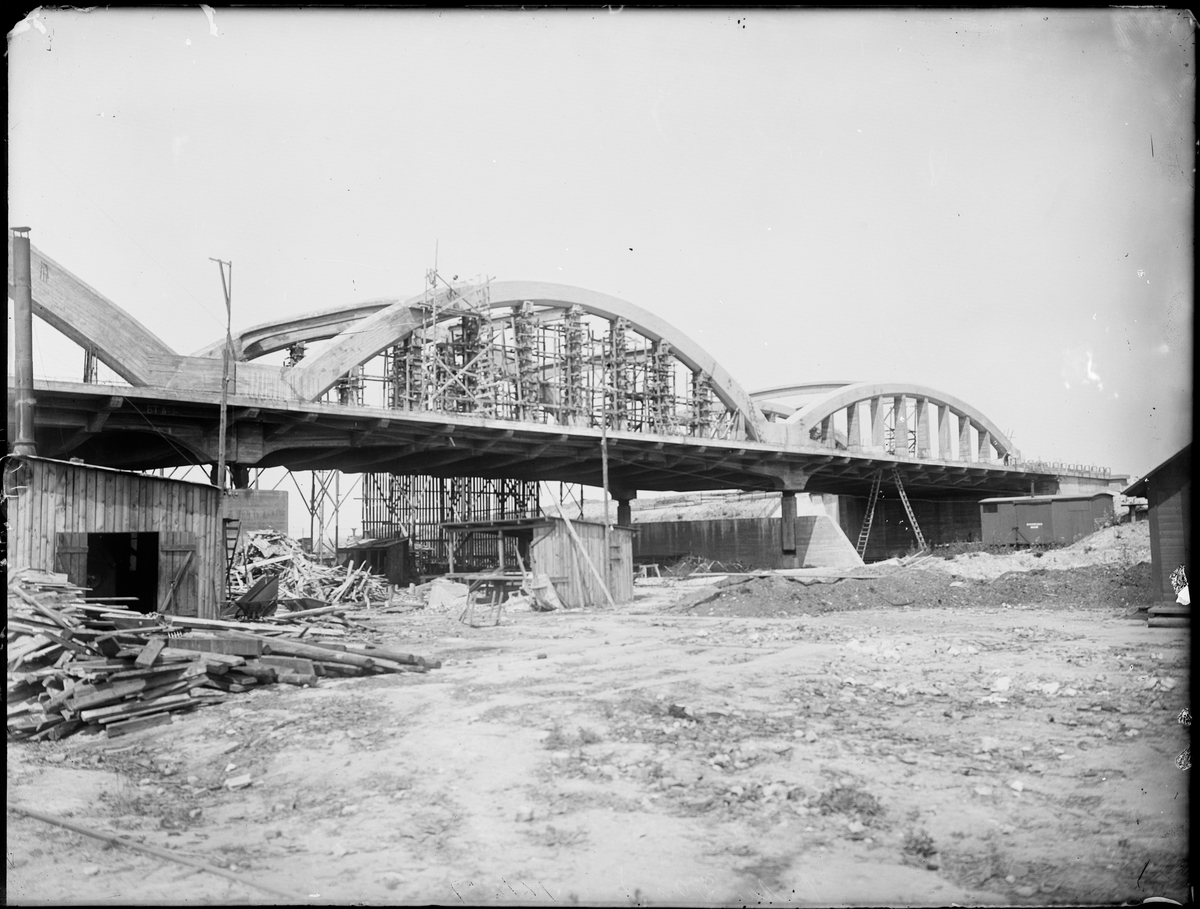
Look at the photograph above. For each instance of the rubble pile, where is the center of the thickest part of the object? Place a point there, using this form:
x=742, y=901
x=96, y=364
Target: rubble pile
x=267, y=554
x=75, y=664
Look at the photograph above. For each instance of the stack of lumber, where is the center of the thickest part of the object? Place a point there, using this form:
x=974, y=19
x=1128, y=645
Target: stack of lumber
x=1169, y=615
x=269, y=554
x=77, y=665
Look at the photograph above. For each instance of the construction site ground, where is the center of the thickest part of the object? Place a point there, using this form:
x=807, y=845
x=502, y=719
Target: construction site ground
x=982, y=731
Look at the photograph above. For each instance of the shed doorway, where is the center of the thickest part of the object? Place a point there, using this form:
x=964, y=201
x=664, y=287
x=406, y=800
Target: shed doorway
x=124, y=565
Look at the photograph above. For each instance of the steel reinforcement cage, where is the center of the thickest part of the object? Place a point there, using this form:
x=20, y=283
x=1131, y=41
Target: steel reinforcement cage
x=415, y=507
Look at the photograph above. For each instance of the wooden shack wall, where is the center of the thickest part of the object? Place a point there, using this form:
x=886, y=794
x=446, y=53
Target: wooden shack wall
x=1169, y=497
x=554, y=553
x=54, y=497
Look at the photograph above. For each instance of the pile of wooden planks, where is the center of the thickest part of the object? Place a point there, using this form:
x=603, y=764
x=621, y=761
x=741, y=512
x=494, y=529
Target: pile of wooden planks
x=75, y=664
x=269, y=554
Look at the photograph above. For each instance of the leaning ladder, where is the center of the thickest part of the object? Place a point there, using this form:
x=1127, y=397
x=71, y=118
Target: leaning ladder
x=233, y=533
x=870, y=515
x=912, y=518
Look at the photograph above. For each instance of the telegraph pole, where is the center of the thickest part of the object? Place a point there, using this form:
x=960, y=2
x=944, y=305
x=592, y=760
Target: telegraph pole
x=227, y=287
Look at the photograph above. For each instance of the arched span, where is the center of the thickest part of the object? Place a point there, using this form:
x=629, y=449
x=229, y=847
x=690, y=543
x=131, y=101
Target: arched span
x=804, y=388
x=371, y=328
x=814, y=413
x=269, y=337
x=95, y=322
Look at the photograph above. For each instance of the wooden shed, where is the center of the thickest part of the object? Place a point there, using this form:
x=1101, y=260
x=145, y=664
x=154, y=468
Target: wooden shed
x=120, y=534
x=546, y=546
x=387, y=558
x=1043, y=520
x=1168, y=492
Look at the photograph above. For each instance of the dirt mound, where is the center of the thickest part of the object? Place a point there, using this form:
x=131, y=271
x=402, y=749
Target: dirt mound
x=1113, y=588
x=1123, y=545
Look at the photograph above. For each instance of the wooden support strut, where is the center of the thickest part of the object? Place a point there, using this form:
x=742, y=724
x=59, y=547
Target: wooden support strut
x=175, y=583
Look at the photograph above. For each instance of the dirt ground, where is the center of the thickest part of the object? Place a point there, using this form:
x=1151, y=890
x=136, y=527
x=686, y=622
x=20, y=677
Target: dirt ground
x=923, y=737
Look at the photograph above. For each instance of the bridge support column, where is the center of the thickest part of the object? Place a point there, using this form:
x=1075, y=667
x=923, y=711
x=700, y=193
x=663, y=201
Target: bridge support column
x=900, y=426
x=624, y=513
x=943, y=420
x=922, y=413
x=878, y=427
x=853, y=428
x=985, y=446
x=964, y=437
x=787, y=523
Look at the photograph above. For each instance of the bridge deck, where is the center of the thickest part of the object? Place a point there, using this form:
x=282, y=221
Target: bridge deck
x=144, y=428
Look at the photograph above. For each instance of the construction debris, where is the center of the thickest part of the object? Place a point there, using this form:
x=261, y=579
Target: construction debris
x=275, y=557
x=75, y=664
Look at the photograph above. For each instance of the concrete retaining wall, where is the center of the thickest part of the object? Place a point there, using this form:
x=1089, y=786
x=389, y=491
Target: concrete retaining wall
x=940, y=520
x=257, y=509
x=752, y=542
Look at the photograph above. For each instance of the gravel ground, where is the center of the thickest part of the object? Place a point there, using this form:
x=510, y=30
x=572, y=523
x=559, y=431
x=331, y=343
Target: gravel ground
x=920, y=738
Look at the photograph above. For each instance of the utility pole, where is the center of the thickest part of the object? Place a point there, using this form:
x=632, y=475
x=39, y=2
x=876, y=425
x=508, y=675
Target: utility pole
x=604, y=484
x=227, y=287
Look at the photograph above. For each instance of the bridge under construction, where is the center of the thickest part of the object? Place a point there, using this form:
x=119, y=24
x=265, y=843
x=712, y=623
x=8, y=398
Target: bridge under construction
x=495, y=379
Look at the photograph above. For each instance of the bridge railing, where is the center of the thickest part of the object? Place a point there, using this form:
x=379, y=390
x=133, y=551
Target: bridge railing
x=1061, y=467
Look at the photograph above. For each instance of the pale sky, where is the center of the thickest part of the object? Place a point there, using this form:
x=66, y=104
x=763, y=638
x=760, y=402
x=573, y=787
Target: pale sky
x=996, y=204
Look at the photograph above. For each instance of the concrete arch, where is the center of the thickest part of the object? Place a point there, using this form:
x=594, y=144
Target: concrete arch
x=364, y=331
x=813, y=414
x=95, y=322
x=268, y=337
x=803, y=388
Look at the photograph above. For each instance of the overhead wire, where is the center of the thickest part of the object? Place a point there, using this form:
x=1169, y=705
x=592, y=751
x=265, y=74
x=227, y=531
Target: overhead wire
x=186, y=454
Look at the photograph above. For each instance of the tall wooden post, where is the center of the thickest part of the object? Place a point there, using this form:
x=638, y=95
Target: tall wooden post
x=227, y=287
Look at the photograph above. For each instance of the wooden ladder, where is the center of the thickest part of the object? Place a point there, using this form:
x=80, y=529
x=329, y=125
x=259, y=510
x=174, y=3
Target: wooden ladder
x=233, y=533
x=869, y=518
x=912, y=518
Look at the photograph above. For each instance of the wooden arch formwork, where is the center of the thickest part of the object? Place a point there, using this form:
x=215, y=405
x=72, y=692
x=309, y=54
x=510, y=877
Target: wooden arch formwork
x=520, y=350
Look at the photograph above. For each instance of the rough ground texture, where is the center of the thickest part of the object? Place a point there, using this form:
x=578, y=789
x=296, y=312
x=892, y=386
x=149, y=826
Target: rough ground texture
x=895, y=741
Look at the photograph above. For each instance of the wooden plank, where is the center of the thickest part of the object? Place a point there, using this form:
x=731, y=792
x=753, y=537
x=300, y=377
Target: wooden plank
x=223, y=625
x=49, y=613
x=116, y=520
x=293, y=664
x=150, y=652
x=179, y=669
x=304, y=613
x=133, y=494
x=66, y=641
x=1169, y=621
x=113, y=730
x=219, y=659
x=34, y=500
x=133, y=708
x=179, y=574
x=89, y=696
x=240, y=645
